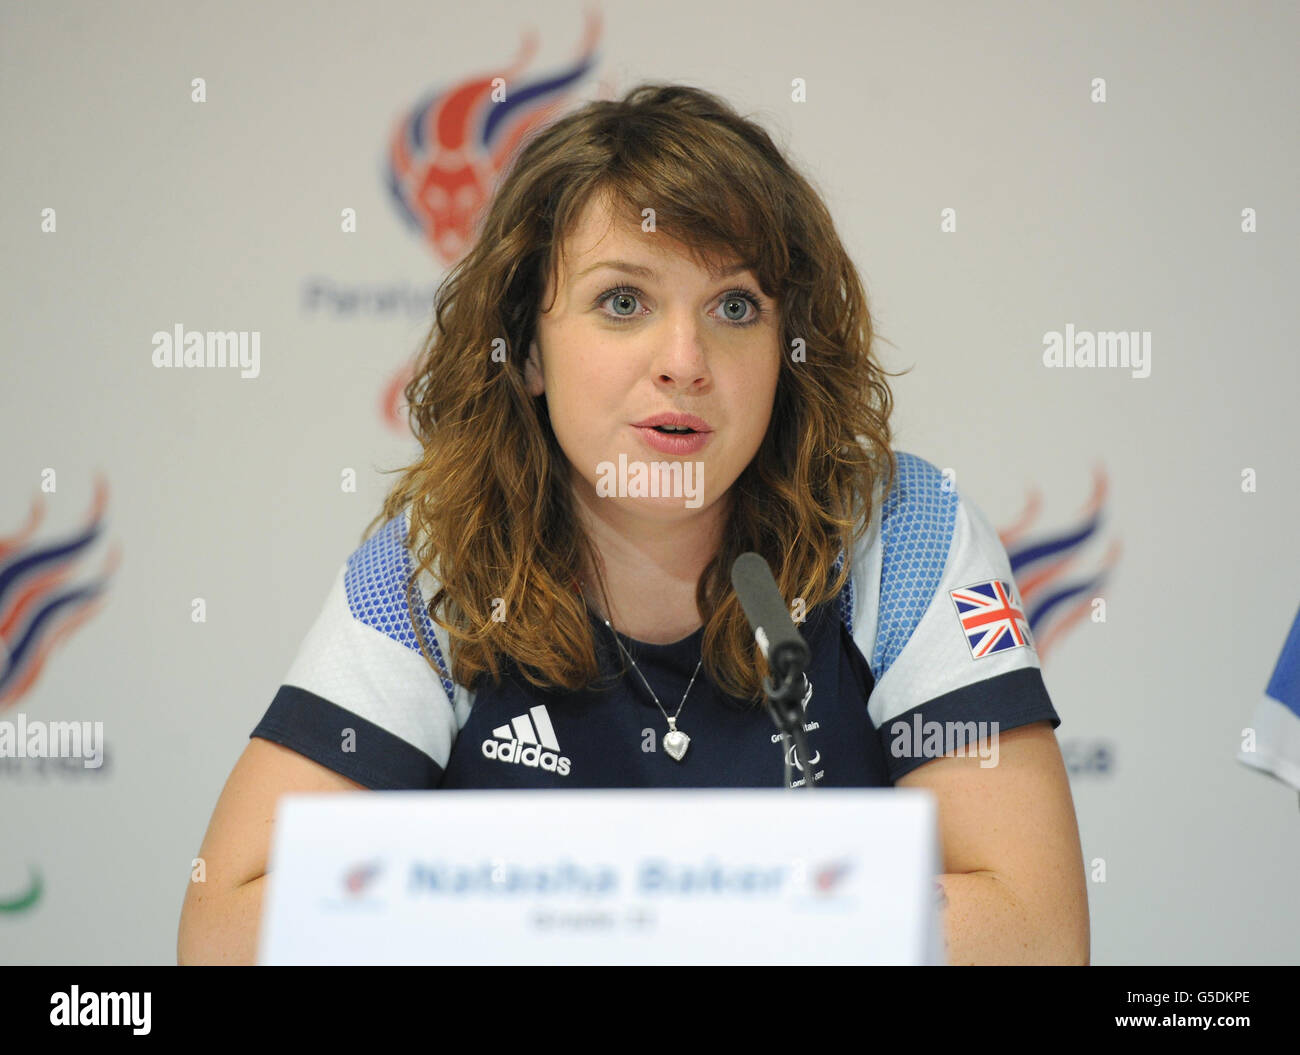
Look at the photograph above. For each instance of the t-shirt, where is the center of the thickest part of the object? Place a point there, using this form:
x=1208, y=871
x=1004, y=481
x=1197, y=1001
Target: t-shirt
x=926, y=650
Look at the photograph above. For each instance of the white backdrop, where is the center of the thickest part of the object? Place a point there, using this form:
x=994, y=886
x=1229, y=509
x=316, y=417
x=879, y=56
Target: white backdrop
x=224, y=215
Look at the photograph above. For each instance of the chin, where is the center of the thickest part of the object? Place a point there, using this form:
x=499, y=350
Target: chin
x=642, y=490
x=666, y=509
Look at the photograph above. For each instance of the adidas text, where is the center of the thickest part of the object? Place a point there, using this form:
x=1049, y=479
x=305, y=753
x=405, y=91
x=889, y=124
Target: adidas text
x=527, y=755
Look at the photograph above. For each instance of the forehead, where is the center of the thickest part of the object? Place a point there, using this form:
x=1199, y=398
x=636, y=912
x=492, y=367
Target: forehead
x=600, y=234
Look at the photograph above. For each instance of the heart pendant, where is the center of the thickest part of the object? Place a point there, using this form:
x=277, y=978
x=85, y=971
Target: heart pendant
x=675, y=743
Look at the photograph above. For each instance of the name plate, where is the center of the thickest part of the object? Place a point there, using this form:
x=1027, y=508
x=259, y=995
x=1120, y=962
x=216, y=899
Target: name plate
x=663, y=876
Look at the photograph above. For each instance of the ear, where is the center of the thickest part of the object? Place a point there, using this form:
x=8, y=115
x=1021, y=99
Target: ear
x=533, y=371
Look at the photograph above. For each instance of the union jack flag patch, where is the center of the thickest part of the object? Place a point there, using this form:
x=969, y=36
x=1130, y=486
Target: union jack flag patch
x=992, y=617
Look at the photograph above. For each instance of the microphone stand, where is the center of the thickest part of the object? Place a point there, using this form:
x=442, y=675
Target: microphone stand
x=785, y=705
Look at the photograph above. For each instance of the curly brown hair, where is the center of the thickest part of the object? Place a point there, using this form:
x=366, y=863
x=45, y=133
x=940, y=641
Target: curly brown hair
x=491, y=507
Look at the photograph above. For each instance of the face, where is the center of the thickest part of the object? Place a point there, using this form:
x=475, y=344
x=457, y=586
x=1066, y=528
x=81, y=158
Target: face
x=622, y=345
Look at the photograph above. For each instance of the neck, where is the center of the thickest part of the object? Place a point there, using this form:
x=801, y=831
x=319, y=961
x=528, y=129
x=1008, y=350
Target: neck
x=651, y=567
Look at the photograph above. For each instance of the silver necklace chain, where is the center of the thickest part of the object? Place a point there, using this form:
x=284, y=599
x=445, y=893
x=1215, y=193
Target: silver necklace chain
x=675, y=741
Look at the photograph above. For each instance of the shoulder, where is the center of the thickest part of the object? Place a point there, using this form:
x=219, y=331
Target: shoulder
x=361, y=667
x=899, y=561
x=367, y=655
x=939, y=618
x=383, y=594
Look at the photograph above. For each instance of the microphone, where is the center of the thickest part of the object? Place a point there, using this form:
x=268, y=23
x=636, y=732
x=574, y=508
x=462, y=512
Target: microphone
x=782, y=645
x=784, y=649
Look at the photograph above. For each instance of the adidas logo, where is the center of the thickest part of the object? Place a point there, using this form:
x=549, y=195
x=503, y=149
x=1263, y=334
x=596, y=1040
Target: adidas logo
x=527, y=745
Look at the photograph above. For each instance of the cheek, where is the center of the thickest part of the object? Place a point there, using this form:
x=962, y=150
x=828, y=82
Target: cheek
x=582, y=402
x=758, y=391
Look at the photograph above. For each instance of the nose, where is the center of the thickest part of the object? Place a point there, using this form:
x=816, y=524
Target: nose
x=681, y=354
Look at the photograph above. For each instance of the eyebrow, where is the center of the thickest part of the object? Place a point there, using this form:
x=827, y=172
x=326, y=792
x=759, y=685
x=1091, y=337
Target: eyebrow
x=648, y=272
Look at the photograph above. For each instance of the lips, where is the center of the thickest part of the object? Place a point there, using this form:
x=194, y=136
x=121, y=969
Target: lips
x=674, y=442
x=680, y=421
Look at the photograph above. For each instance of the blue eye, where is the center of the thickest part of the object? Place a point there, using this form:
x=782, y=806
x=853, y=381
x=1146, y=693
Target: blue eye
x=735, y=296
x=623, y=292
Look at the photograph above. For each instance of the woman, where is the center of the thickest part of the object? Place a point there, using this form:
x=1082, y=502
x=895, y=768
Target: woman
x=655, y=357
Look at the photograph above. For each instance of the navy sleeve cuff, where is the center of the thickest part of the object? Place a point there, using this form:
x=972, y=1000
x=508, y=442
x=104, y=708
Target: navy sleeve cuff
x=313, y=726
x=966, y=715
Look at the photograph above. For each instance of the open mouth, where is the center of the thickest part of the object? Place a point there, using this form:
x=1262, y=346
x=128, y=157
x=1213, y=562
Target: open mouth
x=673, y=430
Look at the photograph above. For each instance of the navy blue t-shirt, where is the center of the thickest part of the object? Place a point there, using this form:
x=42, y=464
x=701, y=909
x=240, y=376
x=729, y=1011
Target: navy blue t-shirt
x=928, y=636
x=613, y=737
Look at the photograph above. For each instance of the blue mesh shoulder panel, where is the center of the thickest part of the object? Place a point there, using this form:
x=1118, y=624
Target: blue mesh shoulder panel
x=376, y=583
x=917, y=520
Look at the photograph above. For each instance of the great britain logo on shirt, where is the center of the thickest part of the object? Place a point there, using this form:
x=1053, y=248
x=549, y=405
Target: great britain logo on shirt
x=529, y=740
x=992, y=617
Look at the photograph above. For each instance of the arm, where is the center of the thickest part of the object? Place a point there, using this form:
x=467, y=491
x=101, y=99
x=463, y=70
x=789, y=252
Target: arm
x=220, y=917
x=221, y=927
x=1014, y=878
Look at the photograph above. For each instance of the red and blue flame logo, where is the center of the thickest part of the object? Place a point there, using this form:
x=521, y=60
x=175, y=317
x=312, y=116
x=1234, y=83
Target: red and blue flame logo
x=447, y=151
x=1056, y=586
x=40, y=607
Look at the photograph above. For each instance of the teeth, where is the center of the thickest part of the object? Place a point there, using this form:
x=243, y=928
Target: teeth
x=674, y=428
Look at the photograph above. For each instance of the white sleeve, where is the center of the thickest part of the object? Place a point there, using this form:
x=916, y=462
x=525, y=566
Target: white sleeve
x=360, y=698
x=949, y=641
